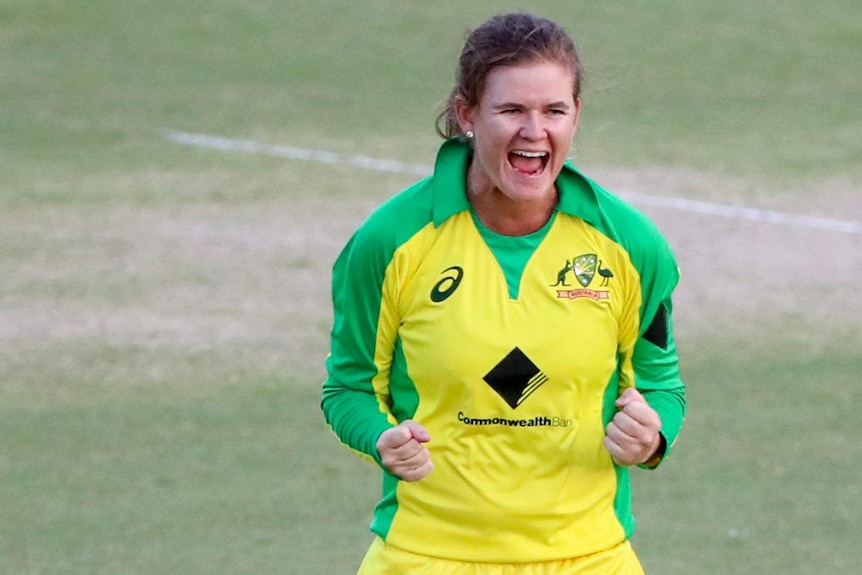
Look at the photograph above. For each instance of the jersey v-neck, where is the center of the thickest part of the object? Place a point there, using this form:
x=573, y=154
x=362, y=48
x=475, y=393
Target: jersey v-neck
x=512, y=252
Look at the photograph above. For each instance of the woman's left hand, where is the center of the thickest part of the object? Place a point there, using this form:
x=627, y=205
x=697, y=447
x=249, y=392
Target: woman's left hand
x=633, y=436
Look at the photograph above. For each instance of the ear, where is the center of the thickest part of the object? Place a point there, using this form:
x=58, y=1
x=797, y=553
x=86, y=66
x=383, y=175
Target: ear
x=464, y=114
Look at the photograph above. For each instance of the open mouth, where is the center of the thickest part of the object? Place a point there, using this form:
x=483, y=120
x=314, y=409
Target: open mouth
x=530, y=163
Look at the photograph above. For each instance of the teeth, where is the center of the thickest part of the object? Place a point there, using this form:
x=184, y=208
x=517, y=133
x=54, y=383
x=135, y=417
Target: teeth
x=530, y=154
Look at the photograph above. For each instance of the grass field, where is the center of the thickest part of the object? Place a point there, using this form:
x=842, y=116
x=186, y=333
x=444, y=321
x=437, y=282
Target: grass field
x=164, y=309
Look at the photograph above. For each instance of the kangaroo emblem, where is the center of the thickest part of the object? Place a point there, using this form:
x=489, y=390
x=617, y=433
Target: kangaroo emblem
x=561, y=275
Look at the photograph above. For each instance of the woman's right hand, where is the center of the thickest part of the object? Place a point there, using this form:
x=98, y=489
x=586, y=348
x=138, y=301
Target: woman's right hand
x=402, y=452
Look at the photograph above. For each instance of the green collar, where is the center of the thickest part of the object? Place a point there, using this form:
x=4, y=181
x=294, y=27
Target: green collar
x=577, y=195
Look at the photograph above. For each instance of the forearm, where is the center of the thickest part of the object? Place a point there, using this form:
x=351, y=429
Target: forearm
x=355, y=417
x=670, y=406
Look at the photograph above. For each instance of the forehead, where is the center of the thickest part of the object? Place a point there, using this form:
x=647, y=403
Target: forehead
x=534, y=82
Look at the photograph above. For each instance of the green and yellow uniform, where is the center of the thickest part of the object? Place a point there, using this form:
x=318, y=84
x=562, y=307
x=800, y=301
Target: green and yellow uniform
x=510, y=351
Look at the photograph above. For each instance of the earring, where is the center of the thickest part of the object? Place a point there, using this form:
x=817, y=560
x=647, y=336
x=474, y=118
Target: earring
x=469, y=134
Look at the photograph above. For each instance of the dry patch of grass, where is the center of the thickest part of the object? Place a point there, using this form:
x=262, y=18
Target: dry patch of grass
x=217, y=275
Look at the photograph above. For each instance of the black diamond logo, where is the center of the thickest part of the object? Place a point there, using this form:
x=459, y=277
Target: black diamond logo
x=515, y=378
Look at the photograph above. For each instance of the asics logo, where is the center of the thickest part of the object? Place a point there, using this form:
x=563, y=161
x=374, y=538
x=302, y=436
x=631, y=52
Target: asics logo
x=447, y=286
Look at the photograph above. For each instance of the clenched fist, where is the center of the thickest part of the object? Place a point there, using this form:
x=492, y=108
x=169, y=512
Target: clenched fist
x=633, y=436
x=402, y=452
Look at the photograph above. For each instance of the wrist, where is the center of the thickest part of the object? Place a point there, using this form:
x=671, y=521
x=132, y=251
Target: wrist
x=658, y=453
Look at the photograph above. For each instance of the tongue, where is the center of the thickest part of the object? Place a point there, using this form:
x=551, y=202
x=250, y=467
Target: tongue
x=525, y=165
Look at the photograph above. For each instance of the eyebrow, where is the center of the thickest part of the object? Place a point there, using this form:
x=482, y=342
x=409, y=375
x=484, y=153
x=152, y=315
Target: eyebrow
x=505, y=105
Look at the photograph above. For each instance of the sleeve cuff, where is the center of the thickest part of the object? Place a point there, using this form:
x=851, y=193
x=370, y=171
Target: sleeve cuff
x=659, y=454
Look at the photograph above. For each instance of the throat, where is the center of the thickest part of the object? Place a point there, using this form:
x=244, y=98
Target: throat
x=520, y=220
x=503, y=214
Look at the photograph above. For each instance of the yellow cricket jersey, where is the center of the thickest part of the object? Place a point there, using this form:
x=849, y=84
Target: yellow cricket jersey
x=511, y=352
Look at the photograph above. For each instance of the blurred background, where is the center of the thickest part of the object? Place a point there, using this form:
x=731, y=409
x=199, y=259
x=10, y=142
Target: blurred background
x=170, y=211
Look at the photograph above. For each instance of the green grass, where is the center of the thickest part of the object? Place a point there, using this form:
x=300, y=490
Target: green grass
x=164, y=310
x=764, y=479
x=222, y=481
x=763, y=90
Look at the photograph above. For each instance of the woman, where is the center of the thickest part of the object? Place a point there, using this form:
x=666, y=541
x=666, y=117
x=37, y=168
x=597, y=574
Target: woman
x=502, y=344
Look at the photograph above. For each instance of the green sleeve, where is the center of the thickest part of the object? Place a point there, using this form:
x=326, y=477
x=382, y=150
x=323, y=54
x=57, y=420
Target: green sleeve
x=349, y=402
x=655, y=360
x=657, y=376
x=363, y=321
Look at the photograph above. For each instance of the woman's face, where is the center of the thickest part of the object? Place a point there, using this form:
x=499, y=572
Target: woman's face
x=523, y=126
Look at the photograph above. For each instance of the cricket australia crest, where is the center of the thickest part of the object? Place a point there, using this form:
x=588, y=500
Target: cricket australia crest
x=584, y=267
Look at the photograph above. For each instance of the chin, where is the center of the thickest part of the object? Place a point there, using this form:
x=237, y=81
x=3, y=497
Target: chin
x=538, y=189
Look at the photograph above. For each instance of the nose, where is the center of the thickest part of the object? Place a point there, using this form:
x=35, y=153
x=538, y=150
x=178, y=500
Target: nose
x=532, y=128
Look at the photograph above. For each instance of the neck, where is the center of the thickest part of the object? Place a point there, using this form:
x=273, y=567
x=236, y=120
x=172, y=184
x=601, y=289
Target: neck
x=502, y=214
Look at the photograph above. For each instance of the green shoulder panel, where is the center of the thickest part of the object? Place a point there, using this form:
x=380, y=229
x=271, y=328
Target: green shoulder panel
x=647, y=248
x=349, y=402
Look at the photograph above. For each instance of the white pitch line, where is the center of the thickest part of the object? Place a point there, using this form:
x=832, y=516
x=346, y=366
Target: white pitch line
x=291, y=153
x=743, y=213
x=394, y=166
